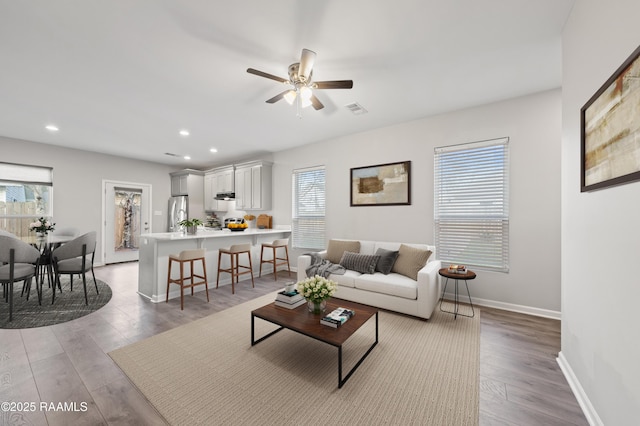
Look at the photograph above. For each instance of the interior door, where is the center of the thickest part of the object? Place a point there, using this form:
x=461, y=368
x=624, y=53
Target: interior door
x=126, y=216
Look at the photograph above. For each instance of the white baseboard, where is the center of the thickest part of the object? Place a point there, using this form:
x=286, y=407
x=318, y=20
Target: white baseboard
x=538, y=312
x=587, y=408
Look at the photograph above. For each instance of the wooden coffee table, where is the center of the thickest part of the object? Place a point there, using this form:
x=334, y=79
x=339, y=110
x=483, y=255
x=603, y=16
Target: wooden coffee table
x=304, y=322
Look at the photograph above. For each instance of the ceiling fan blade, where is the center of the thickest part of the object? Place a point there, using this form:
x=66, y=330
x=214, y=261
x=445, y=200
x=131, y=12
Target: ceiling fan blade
x=307, y=60
x=315, y=102
x=277, y=97
x=266, y=75
x=337, y=84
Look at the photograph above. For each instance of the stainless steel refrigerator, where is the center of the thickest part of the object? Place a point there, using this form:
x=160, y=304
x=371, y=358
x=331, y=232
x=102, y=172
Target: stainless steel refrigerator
x=178, y=210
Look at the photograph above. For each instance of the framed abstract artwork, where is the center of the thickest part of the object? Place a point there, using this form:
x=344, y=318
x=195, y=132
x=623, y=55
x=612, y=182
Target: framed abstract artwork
x=381, y=185
x=610, y=130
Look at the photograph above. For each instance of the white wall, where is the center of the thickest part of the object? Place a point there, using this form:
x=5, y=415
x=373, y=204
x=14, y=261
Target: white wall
x=77, y=182
x=600, y=231
x=533, y=124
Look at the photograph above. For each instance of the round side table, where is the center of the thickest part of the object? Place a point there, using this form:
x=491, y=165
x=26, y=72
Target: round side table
x=469, y=275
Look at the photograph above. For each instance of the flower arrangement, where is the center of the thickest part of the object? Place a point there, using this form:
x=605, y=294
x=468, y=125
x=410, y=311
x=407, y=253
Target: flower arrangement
x=317, y=289
x=41, y=225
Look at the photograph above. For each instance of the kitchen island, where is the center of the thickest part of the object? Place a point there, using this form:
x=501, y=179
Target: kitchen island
x=156, y=248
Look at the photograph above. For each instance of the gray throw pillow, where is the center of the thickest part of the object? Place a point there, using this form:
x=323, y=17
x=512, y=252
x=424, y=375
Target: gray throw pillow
x=363, y=263
x=386, y=261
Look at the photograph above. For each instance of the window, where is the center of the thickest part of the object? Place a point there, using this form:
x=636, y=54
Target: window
x=471, y=206
x=308, y=208
x=25, y=194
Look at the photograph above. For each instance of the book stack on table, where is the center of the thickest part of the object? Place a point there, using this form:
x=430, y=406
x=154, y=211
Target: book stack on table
x=289, y=300
x=457, y=269
x=337, y=317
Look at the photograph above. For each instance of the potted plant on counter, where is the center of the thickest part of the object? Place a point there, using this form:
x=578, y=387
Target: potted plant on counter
x=191, y=225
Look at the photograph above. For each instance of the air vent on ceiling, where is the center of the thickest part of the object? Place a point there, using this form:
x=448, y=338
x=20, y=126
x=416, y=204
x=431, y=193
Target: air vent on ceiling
x=356, y=108
x=171, y=154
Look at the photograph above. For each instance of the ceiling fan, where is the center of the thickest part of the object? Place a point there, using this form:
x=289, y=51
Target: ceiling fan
x=300, y=74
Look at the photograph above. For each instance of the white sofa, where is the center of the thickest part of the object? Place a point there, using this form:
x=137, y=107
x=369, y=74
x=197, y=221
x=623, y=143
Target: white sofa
x=394, y=291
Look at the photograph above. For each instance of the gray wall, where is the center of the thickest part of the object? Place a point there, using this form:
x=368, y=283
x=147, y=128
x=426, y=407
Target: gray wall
x=600, y=231
x=77, y=182
x=533, y=124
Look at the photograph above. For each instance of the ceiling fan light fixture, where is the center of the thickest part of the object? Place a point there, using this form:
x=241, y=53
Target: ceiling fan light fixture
x=290, y=96
x=305, y=102
x=305, y=93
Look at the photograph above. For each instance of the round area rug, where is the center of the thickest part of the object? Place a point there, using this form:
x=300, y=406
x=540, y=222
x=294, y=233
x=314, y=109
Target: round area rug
x=69, y=304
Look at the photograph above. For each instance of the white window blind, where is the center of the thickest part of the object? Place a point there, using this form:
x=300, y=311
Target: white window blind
x=471, y=206
x=308, y=208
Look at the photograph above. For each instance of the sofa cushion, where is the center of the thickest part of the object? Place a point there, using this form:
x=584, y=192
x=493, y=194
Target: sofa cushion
x=337, y=247
x=386, y=261
x=410, y=260
x=363, y=263
x=346, y=280
x=392, y=284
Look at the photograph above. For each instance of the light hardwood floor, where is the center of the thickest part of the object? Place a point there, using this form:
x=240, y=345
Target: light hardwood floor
x=520, y=381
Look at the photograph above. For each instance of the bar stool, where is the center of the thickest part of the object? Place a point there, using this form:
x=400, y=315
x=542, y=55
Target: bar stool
x=182, y=258
x=282, y=243
x=234, y=253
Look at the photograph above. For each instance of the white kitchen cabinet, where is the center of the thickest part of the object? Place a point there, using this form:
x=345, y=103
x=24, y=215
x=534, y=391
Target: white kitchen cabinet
x=225, y=179
x=180, y=184
x=187, y=182
x=210, y=189
x=217, y=180
x=253, y=185
x=190, y=182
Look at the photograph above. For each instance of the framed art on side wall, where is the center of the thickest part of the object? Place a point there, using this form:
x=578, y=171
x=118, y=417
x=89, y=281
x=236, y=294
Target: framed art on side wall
x=381, y=185
x=610, y=130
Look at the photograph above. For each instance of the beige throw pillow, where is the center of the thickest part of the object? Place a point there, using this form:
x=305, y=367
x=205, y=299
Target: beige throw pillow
x=336, y=249
x=410, y=261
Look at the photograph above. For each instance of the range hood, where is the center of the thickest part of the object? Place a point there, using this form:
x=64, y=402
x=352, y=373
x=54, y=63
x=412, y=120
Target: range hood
x=225, y=196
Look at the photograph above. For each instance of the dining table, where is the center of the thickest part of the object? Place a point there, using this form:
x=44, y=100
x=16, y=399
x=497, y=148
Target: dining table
x=46, y=244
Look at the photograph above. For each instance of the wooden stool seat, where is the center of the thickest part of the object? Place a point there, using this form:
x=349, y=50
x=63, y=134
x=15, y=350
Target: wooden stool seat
x=187, y=256
x=282, y=243
x=234, y=253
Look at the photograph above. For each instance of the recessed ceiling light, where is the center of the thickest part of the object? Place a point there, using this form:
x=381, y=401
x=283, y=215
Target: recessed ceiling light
x=186, y=157
x=184, y=132
x=51, y=128
x=213, y=150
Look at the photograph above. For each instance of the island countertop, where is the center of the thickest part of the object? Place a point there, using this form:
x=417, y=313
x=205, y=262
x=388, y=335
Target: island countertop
x=155, y=249
x=211, y=233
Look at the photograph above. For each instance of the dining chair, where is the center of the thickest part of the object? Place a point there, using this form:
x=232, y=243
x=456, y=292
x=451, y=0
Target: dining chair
x=75, y=257
x=21, y=264
x=7, y=234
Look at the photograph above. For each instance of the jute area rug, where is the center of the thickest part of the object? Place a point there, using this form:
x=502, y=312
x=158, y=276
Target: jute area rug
x=68, y=306
x=207, y=373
